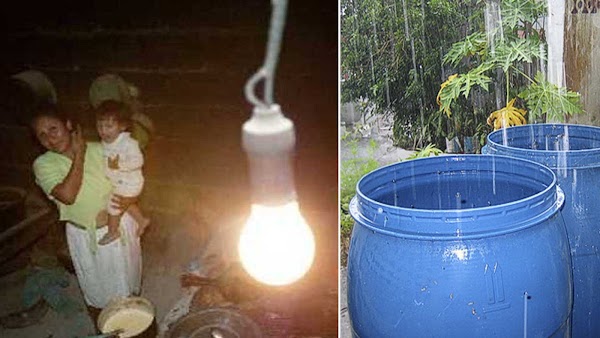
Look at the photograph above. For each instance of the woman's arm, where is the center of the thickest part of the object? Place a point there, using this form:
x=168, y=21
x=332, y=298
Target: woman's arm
x=66, y=191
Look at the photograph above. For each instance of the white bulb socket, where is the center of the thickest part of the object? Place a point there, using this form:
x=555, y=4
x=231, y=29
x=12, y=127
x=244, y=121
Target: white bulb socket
x=269, y=138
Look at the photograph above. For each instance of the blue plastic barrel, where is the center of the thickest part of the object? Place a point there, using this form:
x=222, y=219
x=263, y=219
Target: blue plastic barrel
x=459, y=246
x=573, y=153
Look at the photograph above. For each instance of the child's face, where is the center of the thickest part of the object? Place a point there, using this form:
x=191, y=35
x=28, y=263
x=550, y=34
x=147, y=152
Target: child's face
x=109, y=129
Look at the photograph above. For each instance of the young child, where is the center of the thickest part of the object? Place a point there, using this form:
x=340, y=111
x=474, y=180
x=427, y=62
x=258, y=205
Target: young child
x=123, y=162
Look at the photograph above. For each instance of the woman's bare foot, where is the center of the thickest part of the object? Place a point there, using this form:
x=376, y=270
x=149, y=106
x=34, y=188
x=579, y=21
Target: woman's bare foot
x=142, y=227
x=109, y=237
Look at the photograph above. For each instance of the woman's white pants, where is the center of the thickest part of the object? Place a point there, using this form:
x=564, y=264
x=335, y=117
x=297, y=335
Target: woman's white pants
x=114, y=270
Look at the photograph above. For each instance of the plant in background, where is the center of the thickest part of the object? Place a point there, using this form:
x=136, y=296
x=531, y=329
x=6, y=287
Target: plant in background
x=429, y=150
x=557, y=103
x=505, y=61
x=507, y=116
x=481, y=132
x=351, y=172
x=391, y=57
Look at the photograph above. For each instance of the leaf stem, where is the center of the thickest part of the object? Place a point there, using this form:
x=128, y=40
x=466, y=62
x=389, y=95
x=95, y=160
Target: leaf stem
x=507, y=86
x=523, y=74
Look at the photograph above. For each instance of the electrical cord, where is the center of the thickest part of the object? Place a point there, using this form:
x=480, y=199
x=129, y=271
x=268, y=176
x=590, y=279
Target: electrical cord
x=267, y=71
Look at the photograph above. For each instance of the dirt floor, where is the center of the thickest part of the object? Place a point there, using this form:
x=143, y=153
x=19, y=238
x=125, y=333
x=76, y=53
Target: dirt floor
x=53, y=324
x=191, y=63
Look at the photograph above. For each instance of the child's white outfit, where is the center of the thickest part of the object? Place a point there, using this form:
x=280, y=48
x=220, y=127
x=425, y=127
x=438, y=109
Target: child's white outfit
x=128, y=180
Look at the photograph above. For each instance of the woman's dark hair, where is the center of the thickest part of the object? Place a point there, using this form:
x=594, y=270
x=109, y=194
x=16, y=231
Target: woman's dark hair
x=114, y=109
x=48, y=110
x=45, y=110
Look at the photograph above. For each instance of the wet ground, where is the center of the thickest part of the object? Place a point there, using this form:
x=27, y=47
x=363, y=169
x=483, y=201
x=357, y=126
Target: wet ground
x=191, y=62
x=345, y=327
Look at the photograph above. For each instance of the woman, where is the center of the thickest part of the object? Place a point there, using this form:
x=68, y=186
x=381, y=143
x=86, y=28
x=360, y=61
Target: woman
x=71, y=174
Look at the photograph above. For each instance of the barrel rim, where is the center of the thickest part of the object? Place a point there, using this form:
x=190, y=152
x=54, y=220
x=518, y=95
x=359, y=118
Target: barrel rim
x=579, y=158
x=463, y=223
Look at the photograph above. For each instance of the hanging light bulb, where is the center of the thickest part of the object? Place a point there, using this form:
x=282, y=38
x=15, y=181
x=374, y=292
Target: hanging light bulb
x=277, y=246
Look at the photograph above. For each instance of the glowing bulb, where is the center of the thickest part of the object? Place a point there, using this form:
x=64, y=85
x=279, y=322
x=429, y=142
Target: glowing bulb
x=276, y=245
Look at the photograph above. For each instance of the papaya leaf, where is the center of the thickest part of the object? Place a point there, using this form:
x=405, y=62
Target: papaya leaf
x=507, y=116
x=474, y=44
x=461, y=84
x=509, y=53
x=516, y=12
x=543, y=97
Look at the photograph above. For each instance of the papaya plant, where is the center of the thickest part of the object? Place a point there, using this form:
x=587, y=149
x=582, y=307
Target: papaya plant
x=504, y=59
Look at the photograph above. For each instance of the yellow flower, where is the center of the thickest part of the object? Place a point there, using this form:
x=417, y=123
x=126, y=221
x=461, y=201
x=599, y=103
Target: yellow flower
x=507, y=116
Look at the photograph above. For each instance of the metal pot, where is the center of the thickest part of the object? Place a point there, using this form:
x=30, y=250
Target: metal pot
x=215, y=323
x=130, y=315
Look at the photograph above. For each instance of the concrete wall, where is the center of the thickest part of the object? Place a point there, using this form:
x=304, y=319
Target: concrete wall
x=582, y=50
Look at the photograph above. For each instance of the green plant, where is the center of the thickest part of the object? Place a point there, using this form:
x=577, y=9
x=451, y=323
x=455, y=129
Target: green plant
x=434, y=129
x=470, y=125
x=345, y=135
x=543, y=97
x=390, y=56
x=481, y=133
x=506, y=61
x=351, y=171
x=429, y=150
x=461, y=115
